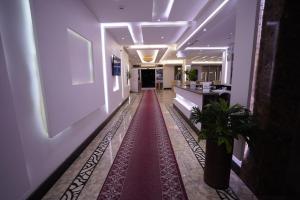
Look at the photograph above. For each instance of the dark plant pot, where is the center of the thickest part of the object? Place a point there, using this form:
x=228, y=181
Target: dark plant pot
x=217, y=165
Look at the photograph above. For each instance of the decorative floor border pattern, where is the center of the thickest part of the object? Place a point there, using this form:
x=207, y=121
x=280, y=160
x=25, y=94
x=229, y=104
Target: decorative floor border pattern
x=114, y=182
x=78, y=183
x=227, y=194
x=171, y=181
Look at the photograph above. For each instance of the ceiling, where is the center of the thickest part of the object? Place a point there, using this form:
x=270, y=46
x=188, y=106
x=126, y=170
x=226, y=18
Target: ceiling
x=169, y=22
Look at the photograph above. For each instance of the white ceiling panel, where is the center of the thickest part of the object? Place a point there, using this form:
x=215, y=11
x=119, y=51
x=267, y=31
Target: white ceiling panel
x=162, y=35
x=121, y=10
x=217, y=34
x=134, y=58
x=186, y=10
x=121, y=35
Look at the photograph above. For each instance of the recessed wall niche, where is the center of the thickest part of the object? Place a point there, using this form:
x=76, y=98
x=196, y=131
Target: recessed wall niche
x=80, y=55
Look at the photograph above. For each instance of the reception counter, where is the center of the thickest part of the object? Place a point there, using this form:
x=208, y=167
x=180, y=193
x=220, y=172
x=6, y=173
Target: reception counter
x=187, y=98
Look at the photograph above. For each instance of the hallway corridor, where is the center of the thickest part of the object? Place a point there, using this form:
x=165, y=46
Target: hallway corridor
x=97, y=99
x=86, y=176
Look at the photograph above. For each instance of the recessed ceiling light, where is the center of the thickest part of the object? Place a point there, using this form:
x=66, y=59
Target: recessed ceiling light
x=123, y=38
x=204, y=29
x=158, y=20
x=162, y=37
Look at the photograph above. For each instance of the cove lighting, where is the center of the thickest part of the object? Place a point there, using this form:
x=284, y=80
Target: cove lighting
x=151, y=46
x=185, y=102
x=132, y=35
x=168, y=9
x=204, y=23
x=33, y=68
x=155, y=53
x=172, y=62
x=102, y=26
x=140, y=55
x=171, y=47
x=207, y=62
x=164, y=24
x=226, y=65
x=121, y=24
x=206, y=48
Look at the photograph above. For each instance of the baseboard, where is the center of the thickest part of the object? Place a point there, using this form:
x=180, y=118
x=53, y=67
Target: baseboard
x=50, y=181
x=236, y=168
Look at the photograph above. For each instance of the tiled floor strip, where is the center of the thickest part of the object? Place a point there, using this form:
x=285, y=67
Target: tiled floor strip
x=78, y=183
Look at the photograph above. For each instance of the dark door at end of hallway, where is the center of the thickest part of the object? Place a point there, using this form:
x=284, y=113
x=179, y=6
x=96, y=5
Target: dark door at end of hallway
x=148, y=78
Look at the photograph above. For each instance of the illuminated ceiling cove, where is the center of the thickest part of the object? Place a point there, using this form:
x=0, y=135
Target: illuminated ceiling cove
x=154, y=31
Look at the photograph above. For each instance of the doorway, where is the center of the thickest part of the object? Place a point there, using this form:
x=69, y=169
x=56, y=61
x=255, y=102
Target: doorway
x=148, y=78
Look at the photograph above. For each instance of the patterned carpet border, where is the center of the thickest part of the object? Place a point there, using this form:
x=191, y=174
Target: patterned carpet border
x=114, y=182
x=79, y=182
x=170, y=178
x=172, y=184
x=227, y=194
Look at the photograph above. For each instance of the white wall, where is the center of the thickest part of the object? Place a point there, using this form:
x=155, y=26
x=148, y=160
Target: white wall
x=134, y=82
x=34, y=81
x=168, y=76
x=243, y=51
x=14, y=179
x=243, y=59
x=114, y=82
x=52, y=19
x=126, y=65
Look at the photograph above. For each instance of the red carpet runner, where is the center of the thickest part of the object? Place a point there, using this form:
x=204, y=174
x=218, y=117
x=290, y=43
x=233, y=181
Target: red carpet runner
x=145, y=167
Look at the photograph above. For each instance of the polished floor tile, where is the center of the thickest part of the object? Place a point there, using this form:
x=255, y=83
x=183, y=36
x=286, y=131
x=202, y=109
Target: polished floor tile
x=85, y=177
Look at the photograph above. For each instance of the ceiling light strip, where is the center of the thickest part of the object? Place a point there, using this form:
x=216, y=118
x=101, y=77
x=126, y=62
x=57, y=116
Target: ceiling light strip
x=102, y=28
x=140, y=56
x=206, y=48
x=133, y=36
x=207, y=62
x=203, y=23
x=168, y=9
x=165, y=24
x=152, y=46
x=165, y=54
x=119, y=25
x=155, y=56
x=172, y=62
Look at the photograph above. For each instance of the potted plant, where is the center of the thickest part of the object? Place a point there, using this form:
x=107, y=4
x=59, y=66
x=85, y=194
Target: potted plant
x=220, y=124
x=192, y=77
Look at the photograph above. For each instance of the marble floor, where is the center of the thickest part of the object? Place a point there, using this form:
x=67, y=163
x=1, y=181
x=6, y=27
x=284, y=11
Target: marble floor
x=85, y=177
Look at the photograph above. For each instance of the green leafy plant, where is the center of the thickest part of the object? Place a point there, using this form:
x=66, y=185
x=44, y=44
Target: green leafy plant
x=191, y=74
x=222, y=123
